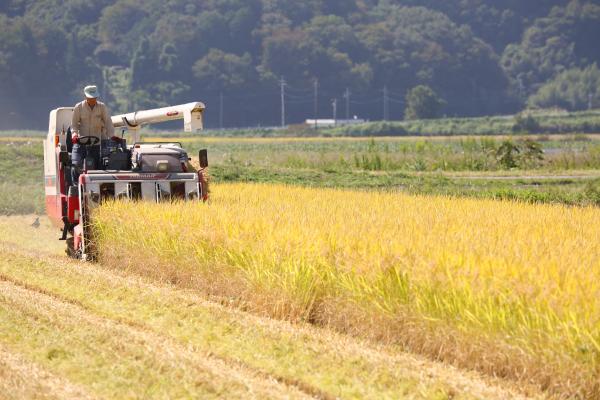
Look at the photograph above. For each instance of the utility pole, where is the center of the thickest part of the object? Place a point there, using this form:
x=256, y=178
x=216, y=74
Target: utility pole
x=590, y=101
x=347, y=95
x=521, y=88
x=221, y=110
x=386, y=105
x=316, y=101
x=282, y=84
x=334, y=104
x=104, y=79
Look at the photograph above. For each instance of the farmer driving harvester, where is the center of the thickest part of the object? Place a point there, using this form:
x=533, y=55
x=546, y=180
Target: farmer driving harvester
x=107, y=168
x=91, y=119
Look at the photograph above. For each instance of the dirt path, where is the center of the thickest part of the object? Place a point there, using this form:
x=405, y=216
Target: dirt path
x=99, y=331
x=524, y=177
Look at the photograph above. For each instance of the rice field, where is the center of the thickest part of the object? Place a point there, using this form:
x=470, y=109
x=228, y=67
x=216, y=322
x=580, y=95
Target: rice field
x=506, y=288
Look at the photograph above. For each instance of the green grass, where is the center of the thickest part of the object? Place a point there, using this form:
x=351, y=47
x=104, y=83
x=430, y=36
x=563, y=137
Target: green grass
x=22, y=134
x=414, y=165
x=402, y=154
x=565, y=191
x=547, y=122
x=21, y=177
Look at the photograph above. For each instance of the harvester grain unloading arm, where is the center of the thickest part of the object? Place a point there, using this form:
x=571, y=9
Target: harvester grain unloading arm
x=191, y=114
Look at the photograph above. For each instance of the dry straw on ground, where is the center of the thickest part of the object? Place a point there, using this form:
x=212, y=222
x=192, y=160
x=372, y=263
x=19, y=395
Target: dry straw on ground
x=507, y=288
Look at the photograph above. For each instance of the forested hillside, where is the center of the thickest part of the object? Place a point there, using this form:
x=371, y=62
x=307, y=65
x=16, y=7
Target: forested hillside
x=477, y=56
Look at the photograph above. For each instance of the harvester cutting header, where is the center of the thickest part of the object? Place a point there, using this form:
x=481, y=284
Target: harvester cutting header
x=85, y=164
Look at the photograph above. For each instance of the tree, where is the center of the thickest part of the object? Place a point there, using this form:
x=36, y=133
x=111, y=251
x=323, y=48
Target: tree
x=220, y=71
x=171, y=49
x=498, y=22
x=28, y=61
x=143, y=70
x=565, y=39
x=410, y=46
x=159, y=94
x=141, y=65
x=575, y=89
x=168, y=58
x=422, y=103
x=122, y=24
x=333, y=32
x=294, y=10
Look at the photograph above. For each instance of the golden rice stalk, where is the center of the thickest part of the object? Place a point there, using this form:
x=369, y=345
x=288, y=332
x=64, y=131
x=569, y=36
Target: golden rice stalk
x=508, y=288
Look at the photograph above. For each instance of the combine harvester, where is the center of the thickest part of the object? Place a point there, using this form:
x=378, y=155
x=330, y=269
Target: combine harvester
x=141, y=171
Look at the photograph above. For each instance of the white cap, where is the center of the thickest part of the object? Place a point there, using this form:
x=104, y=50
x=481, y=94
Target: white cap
x=91, y=92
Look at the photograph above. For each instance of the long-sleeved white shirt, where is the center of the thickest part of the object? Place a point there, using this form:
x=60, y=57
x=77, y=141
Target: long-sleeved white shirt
x=89, y=121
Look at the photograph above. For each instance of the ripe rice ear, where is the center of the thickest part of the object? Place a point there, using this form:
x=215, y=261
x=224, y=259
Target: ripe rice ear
x=510, y=289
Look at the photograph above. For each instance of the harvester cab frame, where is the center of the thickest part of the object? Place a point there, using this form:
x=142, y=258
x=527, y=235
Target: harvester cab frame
x=152, y=171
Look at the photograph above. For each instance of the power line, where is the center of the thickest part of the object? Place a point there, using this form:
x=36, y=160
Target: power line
x=356, y=98
x=297, y=103
x=301, y=90
x=395, y=100
x=395, y=93
x=308, y=101
x=372, y=101
x=264, y=94
x=293, y=96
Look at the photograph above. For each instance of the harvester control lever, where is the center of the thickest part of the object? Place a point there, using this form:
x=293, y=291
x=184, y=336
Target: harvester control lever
x=203, y=158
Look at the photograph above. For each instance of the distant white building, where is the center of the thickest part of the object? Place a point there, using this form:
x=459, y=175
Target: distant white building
x=329, y=123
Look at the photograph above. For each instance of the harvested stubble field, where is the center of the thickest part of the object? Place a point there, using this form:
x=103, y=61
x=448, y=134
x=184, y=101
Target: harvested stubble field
x=75, y=330
x=508, y=289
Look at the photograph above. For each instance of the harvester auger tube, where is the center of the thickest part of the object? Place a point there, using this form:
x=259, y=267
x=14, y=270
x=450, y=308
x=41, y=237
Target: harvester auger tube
x=114, y=170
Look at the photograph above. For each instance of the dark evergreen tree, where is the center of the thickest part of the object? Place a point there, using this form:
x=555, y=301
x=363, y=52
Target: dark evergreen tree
x=422, y=103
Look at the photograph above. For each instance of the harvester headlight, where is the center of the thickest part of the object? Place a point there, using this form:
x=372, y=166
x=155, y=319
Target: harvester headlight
x=162, y=165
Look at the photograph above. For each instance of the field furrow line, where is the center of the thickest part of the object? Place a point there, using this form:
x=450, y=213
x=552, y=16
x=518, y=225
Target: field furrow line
x=242, y=383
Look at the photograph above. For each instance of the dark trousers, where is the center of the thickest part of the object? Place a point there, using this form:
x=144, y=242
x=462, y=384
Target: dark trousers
x=78, y=156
